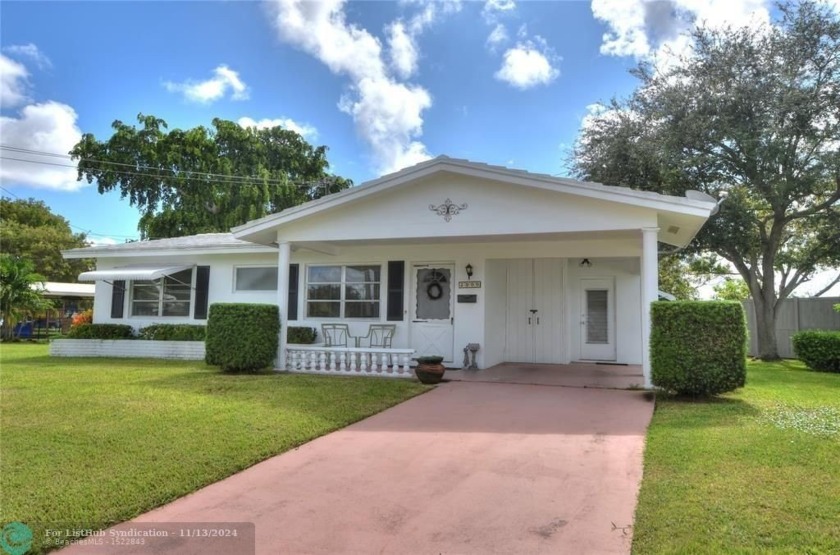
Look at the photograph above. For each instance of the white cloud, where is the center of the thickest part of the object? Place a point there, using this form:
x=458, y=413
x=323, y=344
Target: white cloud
x=593, y=113
x=493, y=9
x=47, y=127
x=402, y=35
x=528, y=65
x=402, y=48
x=13, y=82
x=389, y=116
x=303, y=129
x=497, y=37
x=647, y=28
x=30, y=51
x=388, y=112
x=224, y=79
x=101, y=241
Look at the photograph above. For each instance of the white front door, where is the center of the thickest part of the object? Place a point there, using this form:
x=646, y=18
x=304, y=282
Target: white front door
x=534, y=330
x=597, y=319
x=432, y=331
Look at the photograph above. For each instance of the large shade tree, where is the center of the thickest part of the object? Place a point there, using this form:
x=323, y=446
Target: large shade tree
x=204, y=180
x=29, y=230
x=752, y=113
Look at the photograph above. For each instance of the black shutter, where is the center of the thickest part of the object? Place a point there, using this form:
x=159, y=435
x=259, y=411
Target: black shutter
x=117, y=298
x=396, y=279
x=202, y=292
x=294, y=275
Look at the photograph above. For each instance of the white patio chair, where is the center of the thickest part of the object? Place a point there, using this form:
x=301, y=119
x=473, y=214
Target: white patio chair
x=335, y=335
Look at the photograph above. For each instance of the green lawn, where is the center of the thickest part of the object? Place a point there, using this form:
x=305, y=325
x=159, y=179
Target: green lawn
x=757, y=471
x=85, y=443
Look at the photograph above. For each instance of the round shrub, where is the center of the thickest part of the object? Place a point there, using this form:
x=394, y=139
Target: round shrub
x=819, y=350
x=101, y=331
x=242, y=337
x=698, y=348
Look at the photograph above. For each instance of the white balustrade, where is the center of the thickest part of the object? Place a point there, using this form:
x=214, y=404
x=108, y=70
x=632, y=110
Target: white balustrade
x=348, y=361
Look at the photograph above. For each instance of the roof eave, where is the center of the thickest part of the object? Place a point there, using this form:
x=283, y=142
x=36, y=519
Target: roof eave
x=93, y=252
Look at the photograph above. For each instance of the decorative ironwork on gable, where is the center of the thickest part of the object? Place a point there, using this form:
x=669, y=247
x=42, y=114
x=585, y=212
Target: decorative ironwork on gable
x=448, y=209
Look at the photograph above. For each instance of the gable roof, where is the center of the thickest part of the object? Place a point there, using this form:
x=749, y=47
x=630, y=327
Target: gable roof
x=256, y=230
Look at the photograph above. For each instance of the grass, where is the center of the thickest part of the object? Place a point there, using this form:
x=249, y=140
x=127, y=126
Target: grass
x=87, y=443
x=755, y=471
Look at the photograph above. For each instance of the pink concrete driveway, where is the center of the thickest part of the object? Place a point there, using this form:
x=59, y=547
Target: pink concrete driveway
x=466, y=468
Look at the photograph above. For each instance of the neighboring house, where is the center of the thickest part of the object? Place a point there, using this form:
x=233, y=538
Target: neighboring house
x=562, y=270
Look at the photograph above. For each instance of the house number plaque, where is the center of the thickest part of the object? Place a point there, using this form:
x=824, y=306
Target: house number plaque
x=469, y=285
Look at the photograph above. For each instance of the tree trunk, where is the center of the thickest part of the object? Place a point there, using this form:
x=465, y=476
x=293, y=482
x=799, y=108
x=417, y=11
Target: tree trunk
x=765, y=328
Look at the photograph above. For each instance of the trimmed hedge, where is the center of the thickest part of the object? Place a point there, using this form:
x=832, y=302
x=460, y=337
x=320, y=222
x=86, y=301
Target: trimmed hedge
x=698, y=348
x=173, y=332
x=101, y=331
x=301, y=335
x=819, y=350
x=242, y=337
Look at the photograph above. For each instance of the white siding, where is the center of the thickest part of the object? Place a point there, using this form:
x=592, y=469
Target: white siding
x=494, y=209
x=221, y=286
x=482, y=322
x=628, y=335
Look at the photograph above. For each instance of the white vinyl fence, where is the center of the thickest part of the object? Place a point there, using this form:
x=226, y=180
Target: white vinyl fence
x=795, y=315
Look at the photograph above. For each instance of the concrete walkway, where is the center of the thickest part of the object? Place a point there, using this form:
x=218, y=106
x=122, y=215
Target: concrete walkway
x=465, y=468
x=576, y=374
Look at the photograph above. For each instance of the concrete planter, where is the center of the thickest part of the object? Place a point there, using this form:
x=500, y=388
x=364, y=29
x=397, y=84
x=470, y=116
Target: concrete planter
x=127, y=348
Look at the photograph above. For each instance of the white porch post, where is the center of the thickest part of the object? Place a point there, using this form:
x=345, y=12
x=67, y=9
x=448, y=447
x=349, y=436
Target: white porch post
x=650, y=292
x=284, y=255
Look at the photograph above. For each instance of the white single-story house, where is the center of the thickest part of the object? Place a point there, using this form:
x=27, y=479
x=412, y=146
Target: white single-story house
x=533, y=268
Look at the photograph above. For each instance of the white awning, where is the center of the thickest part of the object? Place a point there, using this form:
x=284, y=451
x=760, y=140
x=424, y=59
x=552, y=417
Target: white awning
x=143, y=272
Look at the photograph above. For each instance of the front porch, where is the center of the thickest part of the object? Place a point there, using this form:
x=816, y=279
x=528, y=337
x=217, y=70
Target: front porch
x=576, y=374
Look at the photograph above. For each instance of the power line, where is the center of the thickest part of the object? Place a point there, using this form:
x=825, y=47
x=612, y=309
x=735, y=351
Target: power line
x=87, y=231
x=159, y=176
x=8, y=191
x=226, y=179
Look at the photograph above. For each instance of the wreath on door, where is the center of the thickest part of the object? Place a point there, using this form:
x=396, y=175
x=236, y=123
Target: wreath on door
x=434, y=290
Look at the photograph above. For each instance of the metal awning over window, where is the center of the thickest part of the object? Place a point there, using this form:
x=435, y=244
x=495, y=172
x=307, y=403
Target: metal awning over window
x=142, y=272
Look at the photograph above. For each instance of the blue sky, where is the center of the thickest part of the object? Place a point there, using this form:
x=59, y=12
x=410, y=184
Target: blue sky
x=382, y=84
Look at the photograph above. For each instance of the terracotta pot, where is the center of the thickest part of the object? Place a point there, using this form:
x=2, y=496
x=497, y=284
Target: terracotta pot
x=430, y=374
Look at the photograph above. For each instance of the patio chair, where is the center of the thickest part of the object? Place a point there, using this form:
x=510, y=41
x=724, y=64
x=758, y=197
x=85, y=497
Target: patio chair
x=335, y=335
x=379, y=335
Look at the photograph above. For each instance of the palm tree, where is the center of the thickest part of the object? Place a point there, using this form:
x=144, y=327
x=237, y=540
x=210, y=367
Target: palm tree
x=17, y=294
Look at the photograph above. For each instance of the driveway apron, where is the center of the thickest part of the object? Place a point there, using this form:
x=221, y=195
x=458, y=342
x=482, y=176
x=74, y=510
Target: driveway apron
x=465, y=468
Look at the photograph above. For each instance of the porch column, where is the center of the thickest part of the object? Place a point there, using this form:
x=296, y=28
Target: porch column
x=284, y=255
x=650, y=292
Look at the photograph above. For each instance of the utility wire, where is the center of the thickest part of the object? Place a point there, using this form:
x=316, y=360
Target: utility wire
x=160, y=176
x=8, y=191
x=88, y=231
x=228, y=179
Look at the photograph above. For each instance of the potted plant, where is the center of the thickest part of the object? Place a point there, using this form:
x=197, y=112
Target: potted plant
x=429, y=369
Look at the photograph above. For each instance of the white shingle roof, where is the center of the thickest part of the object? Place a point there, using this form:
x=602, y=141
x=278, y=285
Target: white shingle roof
x=203, y=241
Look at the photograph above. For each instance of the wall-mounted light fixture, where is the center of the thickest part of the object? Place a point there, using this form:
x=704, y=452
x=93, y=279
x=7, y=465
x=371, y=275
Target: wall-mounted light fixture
x=469, y=269
x=585, y=263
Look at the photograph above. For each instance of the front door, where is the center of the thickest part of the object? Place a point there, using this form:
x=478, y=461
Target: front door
x=432, y=330
x=535, y=311
x=597, y=319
